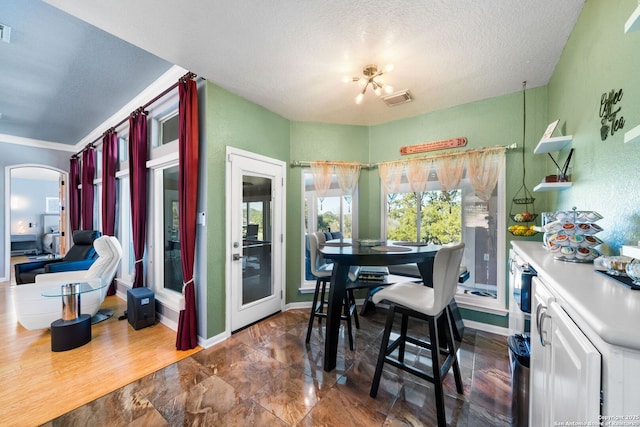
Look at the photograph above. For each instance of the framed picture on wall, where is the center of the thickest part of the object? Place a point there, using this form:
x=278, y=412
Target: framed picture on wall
x=175, y=215
x=52, y=205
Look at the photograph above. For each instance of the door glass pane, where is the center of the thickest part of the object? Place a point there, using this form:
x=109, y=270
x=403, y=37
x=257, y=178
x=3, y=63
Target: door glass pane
x=172, y=260
x=256, y=241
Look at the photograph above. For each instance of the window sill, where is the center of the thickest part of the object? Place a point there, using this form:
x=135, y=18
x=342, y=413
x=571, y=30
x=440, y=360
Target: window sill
x=473, y=303
x=307, y=288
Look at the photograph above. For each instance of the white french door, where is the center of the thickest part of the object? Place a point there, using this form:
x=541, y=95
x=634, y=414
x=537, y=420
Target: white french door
x=255, y=242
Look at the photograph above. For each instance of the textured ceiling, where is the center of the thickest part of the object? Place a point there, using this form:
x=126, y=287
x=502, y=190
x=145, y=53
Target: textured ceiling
x=290, y=56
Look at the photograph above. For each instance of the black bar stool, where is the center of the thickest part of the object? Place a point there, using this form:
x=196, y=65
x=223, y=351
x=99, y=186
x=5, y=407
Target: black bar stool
x=430, y=304
x=323, y=274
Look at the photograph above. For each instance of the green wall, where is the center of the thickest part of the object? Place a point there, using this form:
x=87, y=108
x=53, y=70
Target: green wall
x=315, y=141
x=599, y=57
x=487, y=123
x=231, y=121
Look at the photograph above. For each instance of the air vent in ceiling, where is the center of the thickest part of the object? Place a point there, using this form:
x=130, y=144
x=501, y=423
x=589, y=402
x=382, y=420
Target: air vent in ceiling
x=5, y=33
x=398, y=98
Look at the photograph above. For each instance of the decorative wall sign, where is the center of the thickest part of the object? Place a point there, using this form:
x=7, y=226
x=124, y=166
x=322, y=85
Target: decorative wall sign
x=432, y=146
x=611, y=119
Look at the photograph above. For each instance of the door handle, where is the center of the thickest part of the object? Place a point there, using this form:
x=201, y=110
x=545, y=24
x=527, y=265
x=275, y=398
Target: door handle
x=538, y=309
x=237, y=257
x=542, y=332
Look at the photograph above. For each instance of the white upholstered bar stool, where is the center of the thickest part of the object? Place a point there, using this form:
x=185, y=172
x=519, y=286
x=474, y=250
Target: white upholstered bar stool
x=323, y=272
x=423, y=302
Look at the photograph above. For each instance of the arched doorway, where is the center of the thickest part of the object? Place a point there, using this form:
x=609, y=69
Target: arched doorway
x=35, y=222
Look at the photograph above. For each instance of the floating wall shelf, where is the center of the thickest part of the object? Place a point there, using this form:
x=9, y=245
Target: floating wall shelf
x=552, y=186
x=631, y=251
x=633, y=23
x=557, y=143
x=633, y=135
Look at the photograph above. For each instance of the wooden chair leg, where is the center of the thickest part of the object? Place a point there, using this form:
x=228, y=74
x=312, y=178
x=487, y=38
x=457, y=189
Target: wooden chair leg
x=437, y=374
x=322, y=300
x=352, y=301
x=453, y=353
x=403, y=335
x=313, y=310
x=383, y=352
x=347, y=315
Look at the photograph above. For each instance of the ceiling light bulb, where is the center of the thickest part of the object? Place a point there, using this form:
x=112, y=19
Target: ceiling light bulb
x=388, y=89
x=359, y=98
x=388, y=68
x=346, y=79
x=378, y=90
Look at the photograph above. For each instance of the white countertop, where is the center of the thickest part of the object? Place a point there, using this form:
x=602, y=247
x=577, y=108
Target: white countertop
x=604, y=305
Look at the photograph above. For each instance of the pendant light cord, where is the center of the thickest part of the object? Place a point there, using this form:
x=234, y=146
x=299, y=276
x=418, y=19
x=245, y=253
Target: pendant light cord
x=524, y=127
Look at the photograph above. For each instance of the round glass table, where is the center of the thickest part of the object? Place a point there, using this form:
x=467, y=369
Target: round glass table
x=74, y=328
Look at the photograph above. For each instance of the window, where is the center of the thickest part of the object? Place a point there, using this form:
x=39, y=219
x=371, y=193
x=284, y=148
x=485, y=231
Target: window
x=123, y=147
x=171, y=225
x=163, y=238
x=169, y=129
x=334, y=212
x=442, y=217
x=123, y=226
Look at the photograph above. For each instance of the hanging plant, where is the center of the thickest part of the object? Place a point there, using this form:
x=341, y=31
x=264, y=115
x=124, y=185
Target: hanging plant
x=523, y=209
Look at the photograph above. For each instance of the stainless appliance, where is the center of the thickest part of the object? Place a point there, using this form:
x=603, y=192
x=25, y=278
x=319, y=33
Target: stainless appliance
x=521, y=295
x=522, y=285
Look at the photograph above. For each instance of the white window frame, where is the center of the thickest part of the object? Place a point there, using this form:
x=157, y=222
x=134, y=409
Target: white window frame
x=155, y=231
x=126, y=269
x=489, y=305
x=312, y=201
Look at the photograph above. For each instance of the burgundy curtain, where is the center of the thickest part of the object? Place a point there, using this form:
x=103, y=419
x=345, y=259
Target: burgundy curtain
x=109, y=162
x=88, y=175
x=74, y=194
x=138, y=189
x=188, y=142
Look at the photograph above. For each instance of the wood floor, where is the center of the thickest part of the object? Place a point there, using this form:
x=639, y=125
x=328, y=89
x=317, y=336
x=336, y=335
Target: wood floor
x=38, y=385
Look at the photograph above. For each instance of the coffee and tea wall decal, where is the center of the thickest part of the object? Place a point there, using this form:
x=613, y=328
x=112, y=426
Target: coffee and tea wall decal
x=611, y=118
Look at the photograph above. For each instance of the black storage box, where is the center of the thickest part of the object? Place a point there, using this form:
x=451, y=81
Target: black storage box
x=141, y=307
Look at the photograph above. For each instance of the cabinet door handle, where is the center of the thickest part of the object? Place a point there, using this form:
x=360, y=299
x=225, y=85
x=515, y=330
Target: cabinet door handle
x=538, y=310
x=543, y=316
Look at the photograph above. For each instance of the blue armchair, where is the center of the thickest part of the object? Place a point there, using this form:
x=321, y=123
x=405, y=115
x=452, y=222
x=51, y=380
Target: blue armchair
x=79, y=257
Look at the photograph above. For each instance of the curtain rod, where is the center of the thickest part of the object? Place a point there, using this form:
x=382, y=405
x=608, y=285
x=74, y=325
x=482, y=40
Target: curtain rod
x=306, y=164
x=140, y=109
x=301, y=163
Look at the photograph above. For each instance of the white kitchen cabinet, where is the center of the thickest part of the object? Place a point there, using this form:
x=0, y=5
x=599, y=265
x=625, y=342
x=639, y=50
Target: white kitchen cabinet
x=565, y=367
x=590, y=320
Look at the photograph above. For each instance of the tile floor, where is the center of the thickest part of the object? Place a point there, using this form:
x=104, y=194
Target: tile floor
x=266, y=375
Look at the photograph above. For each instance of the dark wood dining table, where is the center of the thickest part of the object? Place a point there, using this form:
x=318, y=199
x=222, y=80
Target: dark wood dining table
x=346, y=253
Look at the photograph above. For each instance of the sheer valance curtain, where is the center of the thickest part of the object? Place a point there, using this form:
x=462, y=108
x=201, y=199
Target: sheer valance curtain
x=483, y=169
x=347, y=174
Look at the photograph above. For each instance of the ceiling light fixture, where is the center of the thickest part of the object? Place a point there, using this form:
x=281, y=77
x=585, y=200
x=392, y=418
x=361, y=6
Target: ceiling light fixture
x=371, y=72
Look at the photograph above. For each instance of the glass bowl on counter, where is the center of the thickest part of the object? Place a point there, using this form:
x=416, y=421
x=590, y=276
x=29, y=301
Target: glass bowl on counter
x=616, y=265
x=633, y=271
